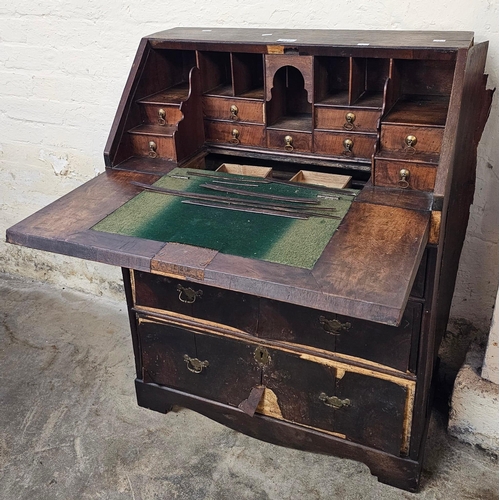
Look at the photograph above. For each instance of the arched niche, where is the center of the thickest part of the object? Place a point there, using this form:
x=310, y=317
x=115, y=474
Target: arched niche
x=289, y=96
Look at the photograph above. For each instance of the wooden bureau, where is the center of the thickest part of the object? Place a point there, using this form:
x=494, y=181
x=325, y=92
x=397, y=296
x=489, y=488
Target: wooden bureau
x=301, y=314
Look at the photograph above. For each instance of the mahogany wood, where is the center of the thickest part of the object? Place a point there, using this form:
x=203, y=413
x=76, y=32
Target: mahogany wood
x=219, y=108
x=387, y=173
x=332, y=144
x=222, y=131
x=335, y=119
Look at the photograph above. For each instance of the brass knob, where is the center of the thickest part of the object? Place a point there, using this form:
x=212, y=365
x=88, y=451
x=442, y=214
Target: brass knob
x=288, y=143
x=349, y=121
x=161, y=116
x=334, y=401
x=348, y=145
x=152, y=149
x=235, y=136
x=234, y=111
x=194, y=364
x=404, y=175
x=410, y=143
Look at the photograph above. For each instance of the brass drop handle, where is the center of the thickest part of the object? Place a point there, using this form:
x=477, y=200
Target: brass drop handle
x=288, y=143
x=333, y=326
x=188, y=295
x=349, y=121
x=410, y=143
x=235, y=136
x=348, y=145
x=161, y=116
x=152, y=149
x=334, y=401
x=194, y=364
x=404, y=176
x=234, y=111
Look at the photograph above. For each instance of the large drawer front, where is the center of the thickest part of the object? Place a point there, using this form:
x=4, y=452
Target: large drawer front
x=386, y=345
x=336, y=398
x=223, y=370
x=234, y=309
x=361, y=408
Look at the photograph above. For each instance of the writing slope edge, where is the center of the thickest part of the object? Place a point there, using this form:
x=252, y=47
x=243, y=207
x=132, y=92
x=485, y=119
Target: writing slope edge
x=370, y=263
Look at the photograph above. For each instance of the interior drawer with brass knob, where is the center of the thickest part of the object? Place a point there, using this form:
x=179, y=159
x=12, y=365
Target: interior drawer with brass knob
x=349, y=119
x=234, y=133
x=153, y=146
x=289, y=141
x=411, y=140
x=345, y=144
x=161, y=114
x=404, y=175
x=217, y=368
x=343, y=335
x=162, y=293
x=230, y=108
x=340, y=399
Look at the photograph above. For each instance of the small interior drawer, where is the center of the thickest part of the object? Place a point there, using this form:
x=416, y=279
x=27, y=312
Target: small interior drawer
x=225, y=307
x=347, y=119
x=229, y=108
x=346, y=144
x=234, y=133
x=361, y=408
x=161, y=114
x=383, y=344
x=153, y=146
x=411, y=139
x=289, y=141
x=405, y=175
x=217, y=368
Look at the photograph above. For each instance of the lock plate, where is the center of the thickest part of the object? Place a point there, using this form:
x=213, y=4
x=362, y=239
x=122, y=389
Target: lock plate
x=261, y=355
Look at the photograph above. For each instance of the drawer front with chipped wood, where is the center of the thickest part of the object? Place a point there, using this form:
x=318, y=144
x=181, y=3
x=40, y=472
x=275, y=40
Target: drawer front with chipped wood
x=216, y=305
x=348, y=145
x=289, y=142
x=410, y=139
x=353, y=405
x=361, y=339
x=234, y=133
x=405, y=175
x=236, y=110
x=357, y=120
x=220, y=369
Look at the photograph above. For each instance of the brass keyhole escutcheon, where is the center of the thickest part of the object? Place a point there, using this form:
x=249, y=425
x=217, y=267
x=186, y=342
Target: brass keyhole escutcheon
x=194, y=365
x=261, y=355
x=188, y=295
x=288, y=143
x=348, y=145
x=349, y=121
x=152, y=149
x=410, y=143
x=404, y=176
x=234, y=111
x=235, y=136
x=333, y=326
x=161, y=116
x=334, y=401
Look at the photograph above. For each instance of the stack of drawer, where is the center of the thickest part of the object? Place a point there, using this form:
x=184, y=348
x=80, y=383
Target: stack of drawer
x=342, y=376
x=234, y=120
x=345, y=131
x=160, y=115
x=410, y=143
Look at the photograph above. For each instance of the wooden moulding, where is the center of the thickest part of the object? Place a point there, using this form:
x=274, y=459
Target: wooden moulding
x=320, y=179
x=252, y=170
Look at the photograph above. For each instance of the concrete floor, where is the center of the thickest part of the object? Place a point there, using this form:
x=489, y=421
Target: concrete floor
x=70, y=427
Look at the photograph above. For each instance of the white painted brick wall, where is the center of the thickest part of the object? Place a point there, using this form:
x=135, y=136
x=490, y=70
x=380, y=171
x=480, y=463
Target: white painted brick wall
x=63, y=66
